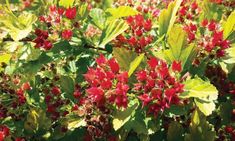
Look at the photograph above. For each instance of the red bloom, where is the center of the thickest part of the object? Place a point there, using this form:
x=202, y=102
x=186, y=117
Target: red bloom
x=55, y=90
x=145, y=99
x=47, y=45
x=183, y=11
x=153, y=62
x=60, y=11
x=113, y=65
x=204, y=23
x=123, y=77
x=194, y=5
x=26, y=86
x=96, y=94
x=77, y=94
x=148, y=25
x=2, y=136
x=212, y=25
x=176, y=66
x=70, y=13
x=141, y=75
x=101, y=60
x=67, y=34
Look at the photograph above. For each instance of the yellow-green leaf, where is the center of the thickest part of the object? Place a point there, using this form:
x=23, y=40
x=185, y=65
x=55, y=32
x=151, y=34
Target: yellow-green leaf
x=230, y=55
x=229, y=25
x=203, y=92
x=112, y=30
x=121, y=117
x=200, y=89
x=66, y=3
x=167, y=17
x=120, y=12
x=5, y=58
x=205, y=107
x=134, y=64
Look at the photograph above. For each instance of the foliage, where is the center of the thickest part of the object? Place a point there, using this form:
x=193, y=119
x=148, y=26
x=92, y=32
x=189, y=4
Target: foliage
x=117, y=70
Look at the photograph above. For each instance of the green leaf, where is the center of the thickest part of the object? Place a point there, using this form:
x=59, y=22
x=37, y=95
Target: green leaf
x=200, y=89
x=5, y=58
x=229, y=25
x=200, y=129
x=203, y=92
x=225, y=109
x=177, y=40
x=124, y=57
x=167, y=17
x=83, y=11
x=66, y=3
x=73, y=124
x=18, y=27
x=120, y=12
x=175, y=132
x=230, y=58
x=67, y=84
x=121, y=117
x=205, y=107
x=210, y=10
x=179, y=50
x=98, y=17
x=134, y=64
x=111, y=31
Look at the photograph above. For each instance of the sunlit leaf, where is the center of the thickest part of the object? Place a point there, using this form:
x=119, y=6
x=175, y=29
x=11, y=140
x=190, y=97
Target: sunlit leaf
x=111, y=31
x=134, y=64
x=121, y=11
x=66, y=3
x=167, y=17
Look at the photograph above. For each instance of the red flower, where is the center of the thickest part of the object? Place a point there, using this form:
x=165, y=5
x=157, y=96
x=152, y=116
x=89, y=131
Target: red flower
x=47, y=45
x=70, y=13
x=225, y=44
x=145, y=99
x=96, y=94
x=67, y=34
x=2, y=136
x=55, y=90
x=123, y=77
x=101, y=60
x=113, y=65
x=141, y=75
x=153, y=62
x=183, y=11
x=194, y=5
x=148, y=25
x=77, y=94
x=19, y=139
x=212, y=25
x=60, y=11
x=204, y=23
x=26, y=86
x=176, y=66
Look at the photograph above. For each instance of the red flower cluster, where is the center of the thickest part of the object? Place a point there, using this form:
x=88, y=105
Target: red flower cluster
x=191, y=30
x=4, y=132
x=188, y=10
x=42, y=40
x=54, y=17
x=139, y=36
x=107, y=84
x=20, y=94
x=213, y=41
x=158, y=88
x=67, y=34
x=71, y=13
x=54, y=103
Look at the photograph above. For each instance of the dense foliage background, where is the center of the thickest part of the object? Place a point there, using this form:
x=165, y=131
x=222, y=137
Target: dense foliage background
x=117, y=70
